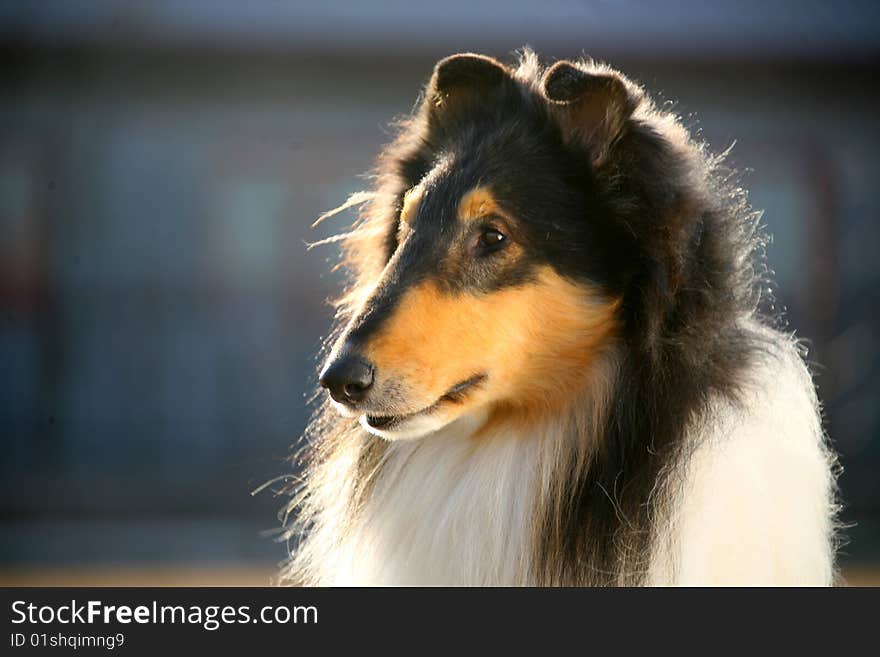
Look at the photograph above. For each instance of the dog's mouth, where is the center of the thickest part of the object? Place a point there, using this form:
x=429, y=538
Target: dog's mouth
x=384, y=421
x=456, y=394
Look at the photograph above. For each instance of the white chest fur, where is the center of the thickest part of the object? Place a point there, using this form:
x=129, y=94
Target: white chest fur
x=448, y=509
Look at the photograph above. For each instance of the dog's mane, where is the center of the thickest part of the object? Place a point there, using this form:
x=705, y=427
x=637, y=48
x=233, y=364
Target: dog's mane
x=684, y=340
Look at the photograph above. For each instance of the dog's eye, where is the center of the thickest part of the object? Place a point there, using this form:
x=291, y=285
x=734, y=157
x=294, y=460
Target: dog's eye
x=489, y=240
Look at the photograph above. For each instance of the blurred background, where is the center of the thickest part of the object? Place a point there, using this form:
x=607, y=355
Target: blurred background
x=160, y=163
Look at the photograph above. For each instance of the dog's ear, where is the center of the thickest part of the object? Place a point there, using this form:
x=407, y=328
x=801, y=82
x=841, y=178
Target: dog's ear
x=593, y=104
x=462, y=80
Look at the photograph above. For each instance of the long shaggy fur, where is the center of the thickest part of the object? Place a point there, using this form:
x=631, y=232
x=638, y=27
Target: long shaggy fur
x=695, y=456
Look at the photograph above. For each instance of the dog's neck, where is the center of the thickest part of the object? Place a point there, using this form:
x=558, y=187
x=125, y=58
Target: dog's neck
x=452, y=508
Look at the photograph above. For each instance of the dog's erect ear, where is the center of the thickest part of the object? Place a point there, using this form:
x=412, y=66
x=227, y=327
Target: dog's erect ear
x=592, y=103
x=462, y=79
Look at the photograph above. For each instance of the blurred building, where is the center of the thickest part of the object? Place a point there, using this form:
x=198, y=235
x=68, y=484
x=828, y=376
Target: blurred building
x=160, y=164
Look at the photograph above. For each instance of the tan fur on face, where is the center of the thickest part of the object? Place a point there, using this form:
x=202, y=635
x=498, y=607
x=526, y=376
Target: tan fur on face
x=411, y=201
x=408, y=211
x=536, y=342
x=477, y=203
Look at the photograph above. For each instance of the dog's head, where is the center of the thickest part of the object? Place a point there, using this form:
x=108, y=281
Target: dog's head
x=501, y=269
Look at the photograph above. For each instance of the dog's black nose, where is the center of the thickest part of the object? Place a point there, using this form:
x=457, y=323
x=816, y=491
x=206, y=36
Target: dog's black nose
x=348, y=378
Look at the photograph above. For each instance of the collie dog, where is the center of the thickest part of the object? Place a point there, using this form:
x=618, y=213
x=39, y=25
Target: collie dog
x=551, y=366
